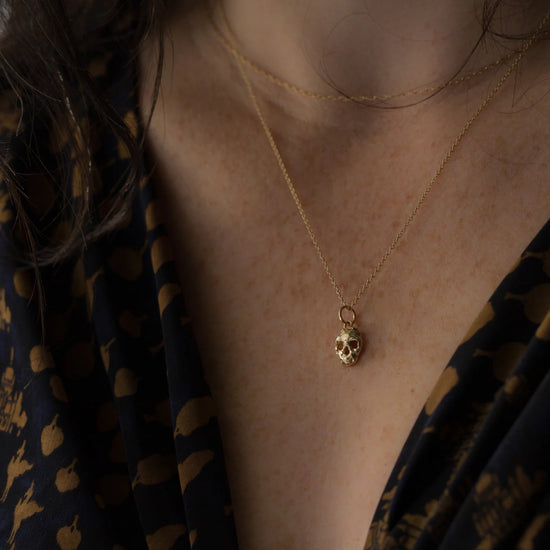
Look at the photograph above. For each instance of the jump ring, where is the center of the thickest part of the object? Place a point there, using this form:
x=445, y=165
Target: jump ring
x=347, y=323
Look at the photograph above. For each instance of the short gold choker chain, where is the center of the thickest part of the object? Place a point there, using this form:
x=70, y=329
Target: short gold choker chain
x=230, y=44
x=350, y=342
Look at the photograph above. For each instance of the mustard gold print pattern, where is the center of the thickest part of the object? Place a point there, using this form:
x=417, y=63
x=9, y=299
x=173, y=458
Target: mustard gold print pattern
x=23, y=283
x=166, y=537
x=458, y=438
x=500, y=506
x=505, y=358
x=532, y=533
x=12, y=415
x=192, y=466
x=69, y=537
x=5, y=313
x=412, y=526
x=67, y=479
x=536, y=302
x=194, y=414
x=474, y=473
x=40, y=359
x=17, y=466
x=155, y=470
x=24, y=509
x=446, y=382
x=379, y=531
x=52, y=437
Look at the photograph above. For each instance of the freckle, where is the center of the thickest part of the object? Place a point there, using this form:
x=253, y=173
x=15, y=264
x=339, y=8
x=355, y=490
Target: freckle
x=412, y=390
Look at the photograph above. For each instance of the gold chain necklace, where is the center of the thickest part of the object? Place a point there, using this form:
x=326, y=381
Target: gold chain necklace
x=349, y=343
x=230, y=45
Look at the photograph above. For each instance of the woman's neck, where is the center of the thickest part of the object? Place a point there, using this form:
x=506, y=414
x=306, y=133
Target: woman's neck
x=367, y=46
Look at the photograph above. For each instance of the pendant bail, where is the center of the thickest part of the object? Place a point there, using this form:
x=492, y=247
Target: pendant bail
x=348, y=323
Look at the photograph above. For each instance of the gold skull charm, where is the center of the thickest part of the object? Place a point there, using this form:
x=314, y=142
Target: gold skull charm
x=348, y=346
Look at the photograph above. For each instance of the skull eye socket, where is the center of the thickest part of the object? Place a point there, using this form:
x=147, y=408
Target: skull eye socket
x=353, y=344
x=339, y=345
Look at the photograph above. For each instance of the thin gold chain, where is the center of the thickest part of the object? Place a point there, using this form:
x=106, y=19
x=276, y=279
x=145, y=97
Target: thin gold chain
x=424, y=195
x=230, y=45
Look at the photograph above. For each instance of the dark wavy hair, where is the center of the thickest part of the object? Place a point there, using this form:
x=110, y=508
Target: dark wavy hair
x=44, y=49
x=44, y=45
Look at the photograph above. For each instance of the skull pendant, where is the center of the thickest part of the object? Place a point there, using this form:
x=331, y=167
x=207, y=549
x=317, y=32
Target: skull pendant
x=348, y=346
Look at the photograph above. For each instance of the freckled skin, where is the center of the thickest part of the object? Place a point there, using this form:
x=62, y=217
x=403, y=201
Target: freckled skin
x=303, y=437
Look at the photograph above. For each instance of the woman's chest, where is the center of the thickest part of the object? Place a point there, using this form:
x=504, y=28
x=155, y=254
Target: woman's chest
x=309, y=445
